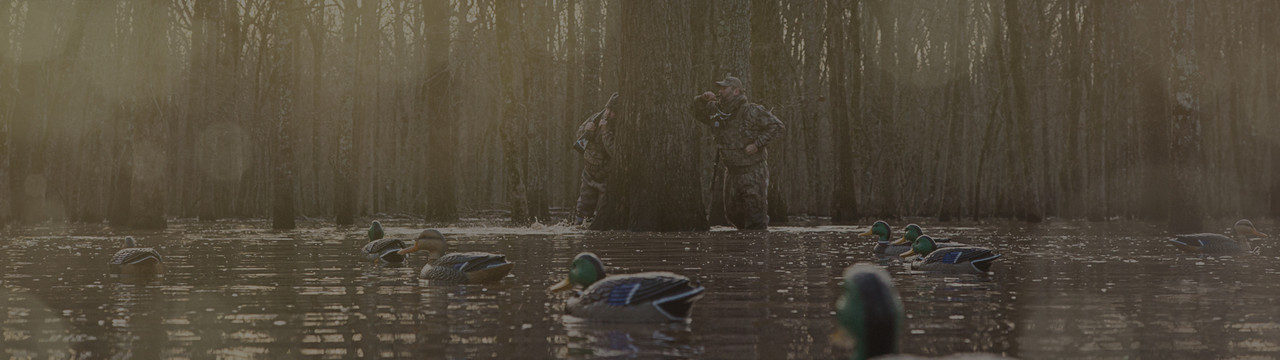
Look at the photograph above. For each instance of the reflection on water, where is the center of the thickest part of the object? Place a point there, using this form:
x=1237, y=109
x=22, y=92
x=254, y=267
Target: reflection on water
x=1074, y=290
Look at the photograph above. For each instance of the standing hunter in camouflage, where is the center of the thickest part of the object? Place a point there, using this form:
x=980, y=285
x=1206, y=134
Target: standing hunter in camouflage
x=595, y=156
x=742, y=132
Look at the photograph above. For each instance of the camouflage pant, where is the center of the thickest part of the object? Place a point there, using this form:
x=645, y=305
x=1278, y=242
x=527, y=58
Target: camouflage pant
x=591, y=190
x=746, y=196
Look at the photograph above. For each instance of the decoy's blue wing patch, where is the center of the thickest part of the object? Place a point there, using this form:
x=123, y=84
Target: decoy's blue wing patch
x=952, y=257
x=621, y=294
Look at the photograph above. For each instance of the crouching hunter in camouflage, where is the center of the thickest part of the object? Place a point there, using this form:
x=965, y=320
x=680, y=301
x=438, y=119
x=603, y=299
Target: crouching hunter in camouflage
x=594, y=142
x=742, y=132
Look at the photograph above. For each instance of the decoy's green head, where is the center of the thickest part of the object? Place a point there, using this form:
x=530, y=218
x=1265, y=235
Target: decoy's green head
x=1244, y=228
x=430, y=240
x=129, y=242
x=922, y=246
x=375, y=231
x=910, y=233
x=585, y=270
x=880, y=229
x=870, y=311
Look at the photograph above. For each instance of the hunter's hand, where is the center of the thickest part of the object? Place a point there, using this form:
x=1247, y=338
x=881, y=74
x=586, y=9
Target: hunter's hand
x=708, y=96
x=751, y=149
x=604, y=122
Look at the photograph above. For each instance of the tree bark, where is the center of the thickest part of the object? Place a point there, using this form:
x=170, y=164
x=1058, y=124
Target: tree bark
x=1030, y=209
x=346, y=158
x=1272, y=36
x=958, y=108
x=442, y=136
x=654, y=186
x=1186, y=213
x=512, y=128
x=842, y=31
x=1152, y=90
x=536, y=103
x=283, y=88
x=150, y=106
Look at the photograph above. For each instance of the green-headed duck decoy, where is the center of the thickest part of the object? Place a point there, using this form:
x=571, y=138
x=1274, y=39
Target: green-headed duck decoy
x=959, y=260
x=640, y=297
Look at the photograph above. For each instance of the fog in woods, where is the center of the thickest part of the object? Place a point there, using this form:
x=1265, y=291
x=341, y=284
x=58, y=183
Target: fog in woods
x=137, y=112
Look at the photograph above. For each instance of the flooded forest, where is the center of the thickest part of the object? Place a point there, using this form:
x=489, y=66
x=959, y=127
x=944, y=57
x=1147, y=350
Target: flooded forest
x=138, y=112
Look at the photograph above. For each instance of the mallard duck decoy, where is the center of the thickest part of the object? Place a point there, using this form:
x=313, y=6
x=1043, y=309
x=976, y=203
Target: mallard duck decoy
x=457, y=268
x=883, y=232
x=870, y=311
x=1207, y=243
x=380, y=249
x=133, y=260
x=911, y=233
x=962, y=259
x=885, y=247
x=641, y=297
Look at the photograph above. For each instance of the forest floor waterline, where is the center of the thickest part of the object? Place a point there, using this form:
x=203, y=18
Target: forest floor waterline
x=237, y=290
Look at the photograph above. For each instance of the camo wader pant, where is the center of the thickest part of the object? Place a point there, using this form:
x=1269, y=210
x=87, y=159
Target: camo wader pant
x=591, y=190
x=746, y=196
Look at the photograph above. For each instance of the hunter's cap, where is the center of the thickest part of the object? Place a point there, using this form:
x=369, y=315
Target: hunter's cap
x=730, y=81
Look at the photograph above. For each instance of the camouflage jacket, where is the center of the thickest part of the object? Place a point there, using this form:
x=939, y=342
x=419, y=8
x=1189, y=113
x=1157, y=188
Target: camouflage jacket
x=599, y=141
x=747, y=123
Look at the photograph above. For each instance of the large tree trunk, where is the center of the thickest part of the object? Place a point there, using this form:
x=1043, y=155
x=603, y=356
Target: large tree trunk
x=654, y=186
x=883, y=110
x=512, y=129
x=1030, y=209
x=368, y=177
x=185, y=182
x=283, y=87
x=442, y=145
x=346, y=158
x=1186, y=213
x=958, y=107
x=842, y=31
x=1152, y=90
x=536, y=103
x=8, y=96
x=703, y=24
x=147, y=205
x=763, y=81
x=1272, y=36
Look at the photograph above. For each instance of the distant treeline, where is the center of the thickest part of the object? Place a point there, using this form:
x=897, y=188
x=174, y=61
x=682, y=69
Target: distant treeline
x=134, y=111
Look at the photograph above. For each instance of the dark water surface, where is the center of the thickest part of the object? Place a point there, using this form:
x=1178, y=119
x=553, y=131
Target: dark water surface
x=1063, y=290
